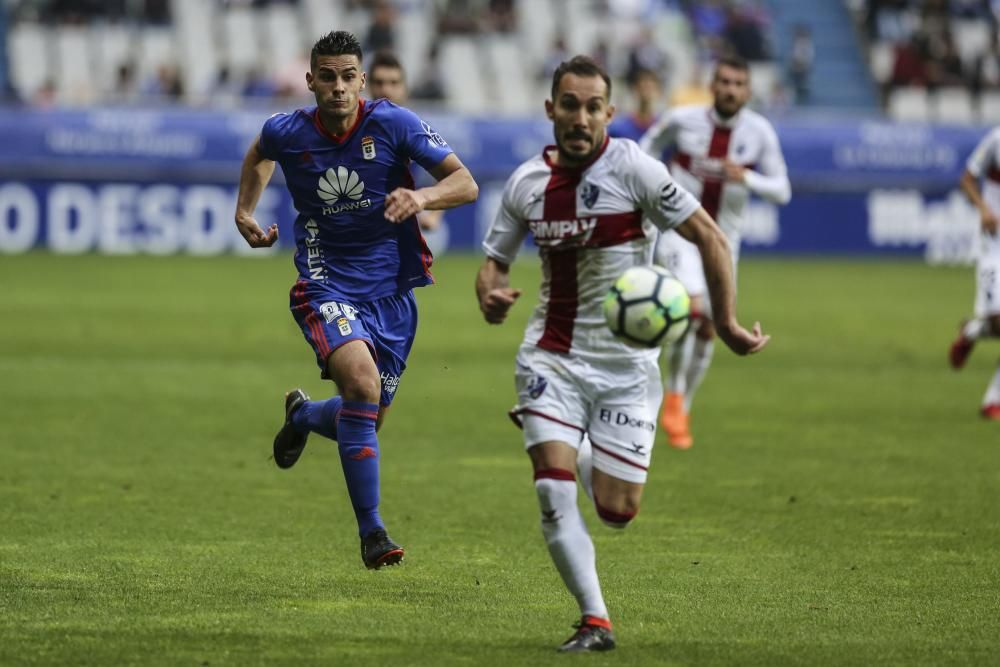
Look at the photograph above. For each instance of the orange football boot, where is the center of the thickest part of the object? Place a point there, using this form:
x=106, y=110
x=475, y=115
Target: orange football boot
x=674, y=420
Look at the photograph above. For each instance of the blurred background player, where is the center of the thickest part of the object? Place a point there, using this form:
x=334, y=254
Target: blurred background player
x=359, y=256
x=386, y=78
x=722, y=154
x=583, y=200
x=647, y=91
x=984, y=163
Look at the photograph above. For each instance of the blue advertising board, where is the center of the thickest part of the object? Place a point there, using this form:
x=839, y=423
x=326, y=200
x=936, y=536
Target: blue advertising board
x=164, y=181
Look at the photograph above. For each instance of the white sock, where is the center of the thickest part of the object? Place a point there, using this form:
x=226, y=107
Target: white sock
x=700, y=361
x=993, y=391
x=974, y=328
x=585, y=466
x=569, y=543
x=678, y=363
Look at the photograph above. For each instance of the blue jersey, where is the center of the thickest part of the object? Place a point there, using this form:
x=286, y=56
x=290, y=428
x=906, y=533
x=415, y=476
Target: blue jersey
x=339, y=185
x=628, y=126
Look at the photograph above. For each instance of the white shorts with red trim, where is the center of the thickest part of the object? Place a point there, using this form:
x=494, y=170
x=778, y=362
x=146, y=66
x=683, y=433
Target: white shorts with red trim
x=988, y=287
x=561, y=397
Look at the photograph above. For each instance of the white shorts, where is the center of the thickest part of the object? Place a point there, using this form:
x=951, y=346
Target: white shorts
x=987, y=288
x=561, y=397
x=681, y=257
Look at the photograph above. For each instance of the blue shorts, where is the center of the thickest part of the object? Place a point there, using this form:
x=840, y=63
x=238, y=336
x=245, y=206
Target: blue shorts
x=328, y=321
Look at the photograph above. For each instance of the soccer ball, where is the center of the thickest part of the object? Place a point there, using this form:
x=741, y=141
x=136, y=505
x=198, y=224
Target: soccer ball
x=647, y=307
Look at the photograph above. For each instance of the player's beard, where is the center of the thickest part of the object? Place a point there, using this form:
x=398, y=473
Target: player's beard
x=731, y=109
x=568, y=158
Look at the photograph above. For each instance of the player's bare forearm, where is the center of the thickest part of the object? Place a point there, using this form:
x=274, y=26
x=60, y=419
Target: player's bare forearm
x=254, y=177
x=701, y=230
x=494, y=291
x=455, y=186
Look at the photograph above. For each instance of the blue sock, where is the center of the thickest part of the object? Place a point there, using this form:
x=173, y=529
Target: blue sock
x=318, y=417
x=359, y=458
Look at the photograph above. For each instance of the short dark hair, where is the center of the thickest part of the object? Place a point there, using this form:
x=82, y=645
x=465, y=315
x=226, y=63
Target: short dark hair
x=644, y=73
x=336, y=43
x=734, y=61
x=385, y=59
x=581, y=66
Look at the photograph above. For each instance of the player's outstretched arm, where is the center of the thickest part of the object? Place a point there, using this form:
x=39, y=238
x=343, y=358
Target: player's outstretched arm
x=701, y=230
x=254, y=177
x=455, y=186
x=493, y=289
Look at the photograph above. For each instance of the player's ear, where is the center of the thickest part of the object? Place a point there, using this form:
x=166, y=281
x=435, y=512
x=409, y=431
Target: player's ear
x=550, y=109
x=611, y=112
x=310, y=81
x=364, y=78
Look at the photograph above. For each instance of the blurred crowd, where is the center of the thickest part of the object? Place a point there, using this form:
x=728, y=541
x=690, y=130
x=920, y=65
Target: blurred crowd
x=713, y=27
x=935, y=44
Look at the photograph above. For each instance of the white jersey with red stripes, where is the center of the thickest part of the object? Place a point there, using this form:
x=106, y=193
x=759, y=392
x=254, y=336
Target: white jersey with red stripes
x=590, y=224
x=700, y=140
x=984, y=163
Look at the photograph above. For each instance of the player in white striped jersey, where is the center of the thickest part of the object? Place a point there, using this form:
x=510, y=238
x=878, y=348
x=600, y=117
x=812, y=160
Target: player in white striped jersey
x=587, y=402
x=984, y=164
x=721, y=154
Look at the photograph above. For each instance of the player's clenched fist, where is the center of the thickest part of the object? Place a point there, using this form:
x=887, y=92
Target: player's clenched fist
x=254, y=235
x=497, y=302
x=402, y=203
x=741, y=341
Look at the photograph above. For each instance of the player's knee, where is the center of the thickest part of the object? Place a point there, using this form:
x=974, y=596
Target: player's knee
x=360, y=386
x=617, y=512
x=556, y=489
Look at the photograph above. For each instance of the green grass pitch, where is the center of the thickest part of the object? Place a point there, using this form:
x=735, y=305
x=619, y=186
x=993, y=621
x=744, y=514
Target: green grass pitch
x=841, y=505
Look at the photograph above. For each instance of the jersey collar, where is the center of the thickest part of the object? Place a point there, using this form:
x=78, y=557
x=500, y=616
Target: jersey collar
x=582, y=167
x=340, y=138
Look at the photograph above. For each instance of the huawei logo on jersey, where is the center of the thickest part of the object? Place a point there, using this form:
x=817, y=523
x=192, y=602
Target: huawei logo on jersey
x=339, y=183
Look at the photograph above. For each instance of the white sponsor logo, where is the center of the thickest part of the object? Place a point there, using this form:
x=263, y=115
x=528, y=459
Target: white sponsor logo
x=389, y=383
x=338, y=184
x=948, y=228
x=314, y=253
x=556, y=232
x=433, y=138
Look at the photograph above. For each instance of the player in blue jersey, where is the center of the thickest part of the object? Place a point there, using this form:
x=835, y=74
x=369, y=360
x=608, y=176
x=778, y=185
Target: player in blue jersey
x=359, y=255
x=647, y=91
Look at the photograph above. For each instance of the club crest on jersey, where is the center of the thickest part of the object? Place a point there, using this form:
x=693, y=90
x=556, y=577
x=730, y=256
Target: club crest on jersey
x=536, y=386
x=590, y=194
x=344, y=326
x=368, y=147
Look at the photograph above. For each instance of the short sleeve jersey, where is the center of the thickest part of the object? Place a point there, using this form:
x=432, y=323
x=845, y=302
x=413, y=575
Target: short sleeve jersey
x=984, y=163
x=339, y=185
x=588, y=223
x=699, y=141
